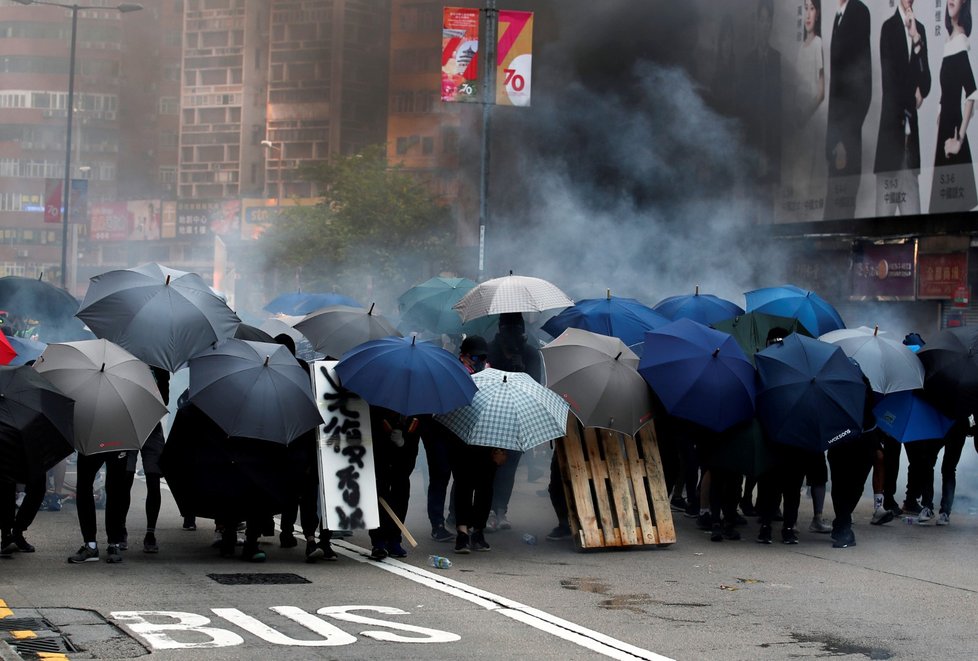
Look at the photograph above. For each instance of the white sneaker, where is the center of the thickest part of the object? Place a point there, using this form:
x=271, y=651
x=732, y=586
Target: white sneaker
x=881, y=516
x=926, y=514
x=492, y=524
x=943, y=519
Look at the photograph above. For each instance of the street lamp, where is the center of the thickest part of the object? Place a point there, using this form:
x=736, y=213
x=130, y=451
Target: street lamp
x=278, y=170
x=123, y=8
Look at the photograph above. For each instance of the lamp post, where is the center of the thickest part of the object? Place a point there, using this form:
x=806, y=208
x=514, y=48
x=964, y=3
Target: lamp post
x=66, y=188
x=278, y=170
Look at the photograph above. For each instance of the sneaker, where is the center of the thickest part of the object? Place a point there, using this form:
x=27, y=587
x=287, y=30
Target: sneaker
x=441, y=534
x=478, y=541
x=84, y=554
x=678, y=504
x=704, y=521
x=189, y=523
x=462, y=543
x=789, y=536
x=22, y=544
x=328, y=552
x=503, y=523
x=926, y=514
x=843, y=538
x=287, y=540
x=892, y=506
x=558, y=533
x=51, y=503
x=911, y=507
x=819, y=525
x=492, y=523
x=114, y=554
x=943, y=519
x=378, y=552
x=313, y=551
x=395, y=550
x=124, y=544
x=881, y=516
x=149, y=544
x=764, y=535
x=716, y=533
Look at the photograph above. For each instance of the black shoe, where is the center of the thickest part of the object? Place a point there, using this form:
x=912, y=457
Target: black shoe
x=7, y=547
x=378, y=552
x=395, y=550
x=22, y=544
x=85, y=554
x=716, y=535
x=287, y=540
x=748, y=508
x=189, y=523
x=560, y=532
x=313, y=552
x=462, y=543
x=843, y=538
x=114, y=554
x=328, y=552
x=911, y=507
x=149, y=544
x=478, y=541
x=704, y=521
x=441, y=534
x=892, y=506
x=789, y=536
x=124, y=544
x=764, y=535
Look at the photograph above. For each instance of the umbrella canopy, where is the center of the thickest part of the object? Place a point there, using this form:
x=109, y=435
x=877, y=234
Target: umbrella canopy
x=249, y=332
x=814, y=312
x=751, y=329
x=906, y=416
x=27, y=350
x=302, y=303
x=159, y=314
x=52, y=308
x=510, y=411
x=889, y=365
x=254, y=390
x=810, y=394
x=406, y=376
x=215, y=476
x=596, y=375
x=511, y=293
x=704, y=308
x=429, y=306
x=950, y=362
x=700, y=374
x=337, y=329
x=117, y=402
x=624, y=318
x=36, y=424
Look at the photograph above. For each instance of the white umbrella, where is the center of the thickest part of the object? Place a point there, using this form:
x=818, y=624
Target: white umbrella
x=889, y=365
x=511, y=293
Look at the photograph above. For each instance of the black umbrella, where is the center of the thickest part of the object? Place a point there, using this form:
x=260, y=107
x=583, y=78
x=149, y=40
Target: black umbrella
x=951, y=371
x=36, y=423
x=51, y=307
x=247, y=332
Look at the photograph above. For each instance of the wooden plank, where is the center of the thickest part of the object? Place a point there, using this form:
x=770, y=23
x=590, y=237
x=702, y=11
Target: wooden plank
x=599, y=477
x=657, y=484
x=637, y=474
x=621, y=488
x=577, y=488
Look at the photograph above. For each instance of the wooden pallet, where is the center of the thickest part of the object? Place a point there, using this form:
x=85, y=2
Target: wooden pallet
x=615, y=488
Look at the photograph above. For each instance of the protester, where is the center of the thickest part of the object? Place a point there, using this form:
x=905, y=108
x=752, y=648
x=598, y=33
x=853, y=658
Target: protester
x=150, y=453
x=395, y=443
x=13, y=524
x=119, y=472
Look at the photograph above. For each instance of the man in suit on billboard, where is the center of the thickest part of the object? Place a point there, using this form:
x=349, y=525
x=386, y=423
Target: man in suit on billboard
x=850, y=91
x=906, y=83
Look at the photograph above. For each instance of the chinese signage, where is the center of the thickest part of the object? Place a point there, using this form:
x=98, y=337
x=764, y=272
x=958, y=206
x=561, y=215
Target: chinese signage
x=940, y=276
x=460, y=54
x=202, y=217
x=884, y=272
x=514, y=57
x=135, y=220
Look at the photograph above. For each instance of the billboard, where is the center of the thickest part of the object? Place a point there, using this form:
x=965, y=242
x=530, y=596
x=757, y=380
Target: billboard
x=202, y=217
x=135, y=220
x=514, y=57
x=460, y=55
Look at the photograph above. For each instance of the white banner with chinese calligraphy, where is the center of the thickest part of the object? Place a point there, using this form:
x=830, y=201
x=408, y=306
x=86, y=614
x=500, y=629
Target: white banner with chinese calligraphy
x=514, y=58
x=347, y=484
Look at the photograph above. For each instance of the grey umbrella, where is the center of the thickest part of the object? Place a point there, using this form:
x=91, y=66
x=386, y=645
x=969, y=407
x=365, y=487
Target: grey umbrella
x=254, y=390
x=117, y=402
x=338, y=328
x=596, y=375
x=511, y=293
x=159, y=314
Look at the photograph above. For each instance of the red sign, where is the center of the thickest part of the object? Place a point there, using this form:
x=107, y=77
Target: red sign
x=52, y=201
x=940, y=276
x=884, y=272
x=961, y=297
x=460, y=54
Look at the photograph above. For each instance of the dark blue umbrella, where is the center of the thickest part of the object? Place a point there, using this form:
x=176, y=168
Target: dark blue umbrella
x=810, y=394
x=906, y=416
x=704, y=308
x=301, y=303
x=624, y=318
x=407, y=376
x=810, y=309
x=951, y=371
x=699, y=374
x=26, y=349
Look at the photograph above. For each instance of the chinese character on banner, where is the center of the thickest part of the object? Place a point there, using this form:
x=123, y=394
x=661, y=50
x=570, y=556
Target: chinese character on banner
x=460, y=54
x=52, y=200
x=514, y=58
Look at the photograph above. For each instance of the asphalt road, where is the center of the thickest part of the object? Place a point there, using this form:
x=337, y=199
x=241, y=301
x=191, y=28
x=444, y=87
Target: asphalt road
x=904, y=592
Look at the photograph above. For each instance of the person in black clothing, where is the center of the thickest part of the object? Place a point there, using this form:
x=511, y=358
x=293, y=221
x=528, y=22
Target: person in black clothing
x=119, y=472
x=150, y=452
x=396, y=439
x=15, y=521
x=850, y=463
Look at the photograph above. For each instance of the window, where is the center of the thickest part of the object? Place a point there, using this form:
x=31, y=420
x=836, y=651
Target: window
x=169, y=105
x=168, y=174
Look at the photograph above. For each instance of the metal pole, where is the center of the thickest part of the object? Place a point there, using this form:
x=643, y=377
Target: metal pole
x=66, y=190
x=488, y=98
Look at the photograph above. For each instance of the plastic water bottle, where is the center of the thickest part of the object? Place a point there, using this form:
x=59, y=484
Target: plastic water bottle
x=439, y=562
x=529, y=539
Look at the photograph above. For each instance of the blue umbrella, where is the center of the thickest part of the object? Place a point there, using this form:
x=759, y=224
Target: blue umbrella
x=302, y=303
x=624, y=318
x=810, y=309
x=407, y=376
x=26, y=349
x=704, y=308
x=907, y=417
x=810, y=394
x=699, y=374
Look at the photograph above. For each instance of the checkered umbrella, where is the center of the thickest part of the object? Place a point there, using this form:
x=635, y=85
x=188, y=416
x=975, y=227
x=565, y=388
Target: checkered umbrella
x=511, y=293
x=510, y=411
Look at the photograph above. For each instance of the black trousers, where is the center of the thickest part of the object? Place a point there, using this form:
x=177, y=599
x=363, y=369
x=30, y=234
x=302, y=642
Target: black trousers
x=922, y=457
x=850, y=464
x=891, y=466
x=558, y=498
x=953, y=445
x=439, y=475
x=393, y=467
x=475, y=473
x=24, y=517
x=724, y=495
x=783, y=483
x=118, y=485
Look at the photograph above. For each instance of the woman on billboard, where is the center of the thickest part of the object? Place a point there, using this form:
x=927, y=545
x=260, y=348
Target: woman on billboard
x=808, y=174
x=954, y=176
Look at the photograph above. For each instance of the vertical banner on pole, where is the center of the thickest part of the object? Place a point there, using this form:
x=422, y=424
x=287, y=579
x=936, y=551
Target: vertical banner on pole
x=52, y=200
x=347, y=484
x=79, y=201
x=514, y=58
x=459, y=55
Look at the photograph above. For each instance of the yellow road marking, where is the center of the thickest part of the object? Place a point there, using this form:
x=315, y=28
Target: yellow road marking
x=4, y=611
x=58, y=656
x=21, y=635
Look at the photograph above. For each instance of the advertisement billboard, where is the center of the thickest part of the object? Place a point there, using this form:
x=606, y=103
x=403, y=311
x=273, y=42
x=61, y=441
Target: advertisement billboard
x=514, y=57
x=460, y=55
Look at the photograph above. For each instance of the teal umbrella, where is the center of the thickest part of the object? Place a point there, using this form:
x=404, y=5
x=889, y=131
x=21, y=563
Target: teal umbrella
x=751, y=329
x=428, y=306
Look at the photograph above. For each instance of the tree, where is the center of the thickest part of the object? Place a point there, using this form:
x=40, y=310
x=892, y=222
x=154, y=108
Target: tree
x=378, y=230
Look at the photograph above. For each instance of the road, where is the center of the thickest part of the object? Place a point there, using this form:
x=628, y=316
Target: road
x=904, y=592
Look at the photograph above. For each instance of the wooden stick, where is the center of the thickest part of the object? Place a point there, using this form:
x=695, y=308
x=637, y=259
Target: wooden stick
x=398, y=523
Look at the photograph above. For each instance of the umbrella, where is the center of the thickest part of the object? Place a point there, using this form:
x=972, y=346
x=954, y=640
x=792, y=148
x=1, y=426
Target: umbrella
x=117, y=402
x=27, y=350
x=337, y=329
x=249, y=332
x=751, y=329
x=596, y=375
x=7, y=352
x=704, y=308
x=510, y=411
x=406, y=376
x=889, y=365
x=511, y=293
x=810, y=394
x=226, y=478
x=36, y=424
x=814, y=312
x=255, y=390
x=159, y=314
x=302, y=303
x=624, y=318
x=906, y=416
x=428, y=306
x=950, y=362
x=35, y=299
x=699, y=373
